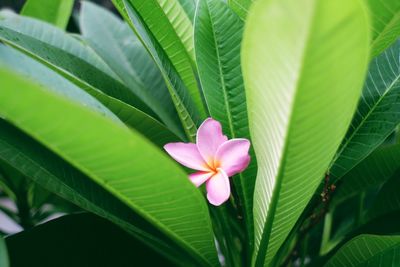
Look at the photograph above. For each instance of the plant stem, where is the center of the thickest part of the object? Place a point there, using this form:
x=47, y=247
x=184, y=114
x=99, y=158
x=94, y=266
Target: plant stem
x=304, y=250
x=326, y=233
x=225, y=236
x=24, y=211
x=359, y=214
x=306, y=221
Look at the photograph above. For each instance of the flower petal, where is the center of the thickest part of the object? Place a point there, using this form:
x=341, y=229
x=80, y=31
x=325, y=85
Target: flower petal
x=233, y=156
x=218, y=188
x=199, y=178
x=187, y=154
x=209, y=138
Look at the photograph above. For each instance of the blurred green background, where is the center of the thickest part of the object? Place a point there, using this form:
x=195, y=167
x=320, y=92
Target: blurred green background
x=16, y=5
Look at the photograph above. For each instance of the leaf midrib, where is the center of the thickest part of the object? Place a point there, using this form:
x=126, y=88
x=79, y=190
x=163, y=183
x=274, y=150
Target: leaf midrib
x=122, y=197
x=259, y=262
x=224, y=91
x=190, y=134
x=364, y=119
x=131, y=227
x=71, y=76
x=146, y=97
x=221, y=76
x=393, y=246
x=33, y=162
x=159, y=7
x=364, y=238
x=194, y=91
x=392, y=20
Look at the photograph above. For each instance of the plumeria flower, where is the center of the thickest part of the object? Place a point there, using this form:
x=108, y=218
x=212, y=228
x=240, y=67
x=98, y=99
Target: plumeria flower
x=214, y=157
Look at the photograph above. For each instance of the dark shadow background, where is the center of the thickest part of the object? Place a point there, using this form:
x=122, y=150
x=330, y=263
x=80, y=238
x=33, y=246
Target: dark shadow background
x=80, y=240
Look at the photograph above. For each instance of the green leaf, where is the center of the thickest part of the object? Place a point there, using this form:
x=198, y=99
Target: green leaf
x=218, y=35
x=372, y=172
x=385, y=16
x=383, y=225
x=368, y=250
x=241, y=7
x=117, y=45
x=17, y=61
x=67, y=56
x=120, y=160
x=388, y=198
x=168, y=16
x=190, y=7
x=303, y=73
x=134, y=118
x=169, y=25
x=186, y=109
x=3, y=254
x=56, y=12
x=79, y=240
x=378, y=112
x=54, y=174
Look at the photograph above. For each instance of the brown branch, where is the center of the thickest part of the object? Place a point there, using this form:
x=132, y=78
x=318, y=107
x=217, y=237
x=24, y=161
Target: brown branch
x=316, y=217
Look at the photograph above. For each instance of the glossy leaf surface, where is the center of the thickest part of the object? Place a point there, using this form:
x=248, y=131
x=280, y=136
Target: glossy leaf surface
x=48, y=170
x=368, y=250
x=378, y=112
x=132, y=117
x=168, y=23
x=117, y=45
x=218, y=36
x=385, y=22
x=303, y=78
x=120, y=160
x=56, y=12
x=188, y=113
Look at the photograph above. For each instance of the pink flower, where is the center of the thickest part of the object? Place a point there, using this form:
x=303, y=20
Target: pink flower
x=214, y=157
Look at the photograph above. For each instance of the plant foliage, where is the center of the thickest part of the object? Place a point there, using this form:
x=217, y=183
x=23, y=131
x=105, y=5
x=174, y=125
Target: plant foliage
x=88, y=99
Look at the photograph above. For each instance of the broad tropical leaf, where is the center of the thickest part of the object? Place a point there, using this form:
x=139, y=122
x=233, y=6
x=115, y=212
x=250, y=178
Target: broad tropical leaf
x=218, y=35
x=117, y=45
x=368, y=250
x=169, y=25
x=385, y=22
x=241, y=7
x=79, y=240
x=3, y=253
x=303, y=67
x=42, y=31
x=121, y=161
x=66, y=55
x=56, y=12
x=378, y=112
x=28, y=67
x=186, y=109
x=372, y=172
x=190, y=7
x=45, y=168
x=173, y=19
x=132, y=117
